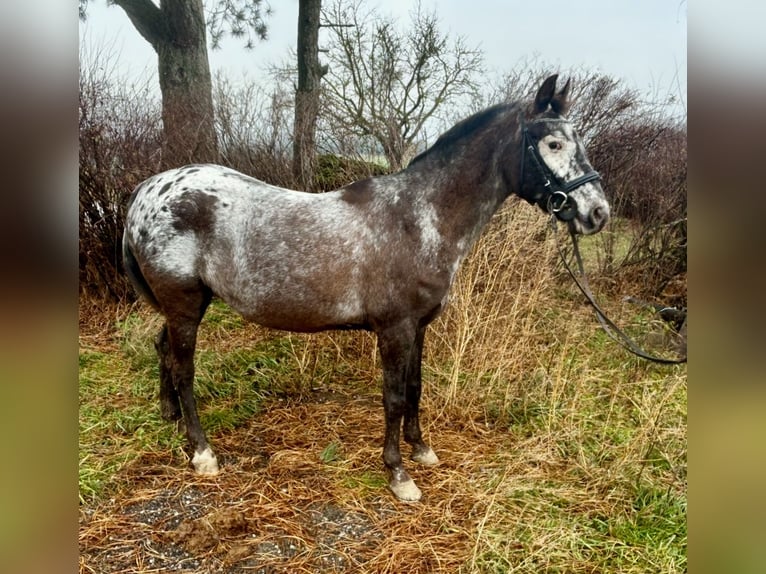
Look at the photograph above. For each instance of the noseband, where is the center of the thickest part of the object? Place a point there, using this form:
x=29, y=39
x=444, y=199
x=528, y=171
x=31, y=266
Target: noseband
x=555, y=199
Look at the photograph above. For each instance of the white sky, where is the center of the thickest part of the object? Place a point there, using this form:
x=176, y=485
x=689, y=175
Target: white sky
x=642, y=42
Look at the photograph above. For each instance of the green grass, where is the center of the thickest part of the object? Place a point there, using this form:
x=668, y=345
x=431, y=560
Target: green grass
x=365, y=482
x=332, y=453
x=119, y=407
x=618, y=504
x=558, y=528
x=119, y=418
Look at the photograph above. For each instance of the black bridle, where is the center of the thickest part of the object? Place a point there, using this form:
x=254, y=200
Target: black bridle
x=555, y=198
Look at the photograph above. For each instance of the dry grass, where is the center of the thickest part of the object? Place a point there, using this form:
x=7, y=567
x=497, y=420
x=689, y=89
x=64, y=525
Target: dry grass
x=559, y=452
x=499, y=308
x=278, y=505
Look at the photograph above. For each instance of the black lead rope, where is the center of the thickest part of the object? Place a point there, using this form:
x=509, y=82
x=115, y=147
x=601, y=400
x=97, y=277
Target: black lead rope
x=608, y=325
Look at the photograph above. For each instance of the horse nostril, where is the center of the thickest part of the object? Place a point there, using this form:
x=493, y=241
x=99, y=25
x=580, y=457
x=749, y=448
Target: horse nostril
x=599, y=216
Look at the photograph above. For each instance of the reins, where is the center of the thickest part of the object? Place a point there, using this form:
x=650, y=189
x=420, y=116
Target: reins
x=607, y=324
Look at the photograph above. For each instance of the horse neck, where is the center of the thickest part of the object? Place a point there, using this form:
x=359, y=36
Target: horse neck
x=465, y=187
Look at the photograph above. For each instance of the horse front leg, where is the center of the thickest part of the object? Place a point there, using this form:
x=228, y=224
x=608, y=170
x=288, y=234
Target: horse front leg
x=396, y=346
x=421, y=452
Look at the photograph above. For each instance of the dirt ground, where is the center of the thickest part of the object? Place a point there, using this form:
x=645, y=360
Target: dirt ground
x=277, y=506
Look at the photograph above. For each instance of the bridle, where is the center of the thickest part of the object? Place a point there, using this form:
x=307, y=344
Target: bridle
x=555, y=198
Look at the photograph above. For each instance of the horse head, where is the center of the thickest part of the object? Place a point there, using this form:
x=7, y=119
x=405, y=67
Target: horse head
x=555, y=172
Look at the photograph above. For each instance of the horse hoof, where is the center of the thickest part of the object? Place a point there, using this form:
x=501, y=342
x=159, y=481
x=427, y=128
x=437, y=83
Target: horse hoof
x=406, y=491
x=205, y=462
x=425, y=456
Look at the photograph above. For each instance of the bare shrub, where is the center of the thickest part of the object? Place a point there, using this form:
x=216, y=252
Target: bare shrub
x=120, y=143
x=598, y=100
x=254, y=130
x=644, y=166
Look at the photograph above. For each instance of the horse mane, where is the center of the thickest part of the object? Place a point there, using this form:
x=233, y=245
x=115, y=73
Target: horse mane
x=463, y=129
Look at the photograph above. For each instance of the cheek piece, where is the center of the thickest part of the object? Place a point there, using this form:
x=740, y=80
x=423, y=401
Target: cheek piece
x=555, y=198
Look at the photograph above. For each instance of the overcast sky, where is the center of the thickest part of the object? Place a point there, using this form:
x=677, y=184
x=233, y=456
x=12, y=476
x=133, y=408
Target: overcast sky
x=642, y=42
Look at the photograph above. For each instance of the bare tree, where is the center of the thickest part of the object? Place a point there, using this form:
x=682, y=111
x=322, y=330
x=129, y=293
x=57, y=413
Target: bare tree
x=176, y=30
x=310, y=73
x=385, y=83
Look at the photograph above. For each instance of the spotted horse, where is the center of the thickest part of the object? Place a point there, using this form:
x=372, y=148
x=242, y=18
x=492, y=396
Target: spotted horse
x=379, y=254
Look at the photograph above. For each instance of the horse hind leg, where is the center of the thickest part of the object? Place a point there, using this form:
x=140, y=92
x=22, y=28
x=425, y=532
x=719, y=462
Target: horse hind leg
x=182, y=343
x=179, y=337
x=421, y=452
x=170, y=406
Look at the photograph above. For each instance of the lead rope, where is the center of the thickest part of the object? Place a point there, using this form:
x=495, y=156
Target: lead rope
x=607, y=324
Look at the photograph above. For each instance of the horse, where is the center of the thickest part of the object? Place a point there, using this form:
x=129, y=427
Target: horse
x=379, y=254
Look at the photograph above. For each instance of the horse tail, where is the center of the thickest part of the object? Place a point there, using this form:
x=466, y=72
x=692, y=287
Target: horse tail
x=133, y=271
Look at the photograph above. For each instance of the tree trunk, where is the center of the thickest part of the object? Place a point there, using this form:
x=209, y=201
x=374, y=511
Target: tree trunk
x=176, y=31
x=307, y=94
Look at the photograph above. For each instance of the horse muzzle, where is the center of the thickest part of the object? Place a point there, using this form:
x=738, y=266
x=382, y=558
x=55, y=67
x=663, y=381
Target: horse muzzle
x=587, y=222
x=588, y=213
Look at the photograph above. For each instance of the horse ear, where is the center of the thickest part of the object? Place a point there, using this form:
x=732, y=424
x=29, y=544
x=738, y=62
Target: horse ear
x=560, y=102
x=545, y=94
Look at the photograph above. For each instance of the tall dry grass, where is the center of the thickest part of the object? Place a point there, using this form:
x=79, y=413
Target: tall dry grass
x=496, y=319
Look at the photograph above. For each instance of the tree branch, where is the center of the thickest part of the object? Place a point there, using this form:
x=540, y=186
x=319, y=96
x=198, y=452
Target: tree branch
x=147, y=18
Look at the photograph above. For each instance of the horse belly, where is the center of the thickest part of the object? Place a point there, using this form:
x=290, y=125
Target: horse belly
x=297, y=307
x=292, y=316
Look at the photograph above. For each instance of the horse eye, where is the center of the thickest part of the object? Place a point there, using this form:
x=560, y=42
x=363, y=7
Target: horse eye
x=555, y=146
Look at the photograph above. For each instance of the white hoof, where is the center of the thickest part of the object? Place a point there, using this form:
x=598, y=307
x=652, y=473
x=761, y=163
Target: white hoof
x=426, y=457
x=205, y=462
x=406, y=491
